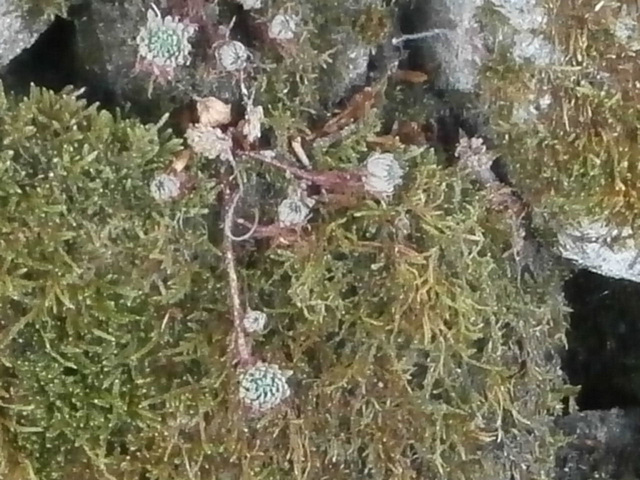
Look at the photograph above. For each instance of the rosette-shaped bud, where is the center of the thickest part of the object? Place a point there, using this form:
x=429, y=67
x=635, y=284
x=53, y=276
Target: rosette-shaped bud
x=210, y=142
x=282, y=27
x=165, y=187
x=232, y=56
x=293, y=212
x=255, y=321
x=383, y=174
x=264, y=386
x=163, y=43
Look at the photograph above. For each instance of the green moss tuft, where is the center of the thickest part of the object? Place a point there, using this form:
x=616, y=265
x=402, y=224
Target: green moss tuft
x=414, y=352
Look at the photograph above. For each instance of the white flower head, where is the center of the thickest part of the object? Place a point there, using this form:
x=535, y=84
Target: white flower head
x=294, y=211
x=252, y=128
x=255, y=321
x=264, y=386
x=163, y=43
x=250, y=4
x=627, y=30
x=232, y=56
x=383, y=174
x=282, y=27
x=165, y=187
x=210, y=142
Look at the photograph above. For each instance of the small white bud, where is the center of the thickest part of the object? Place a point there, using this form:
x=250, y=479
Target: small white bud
x=210, y=142
x=165, y=187
x=252, y=128
x=232, y=56
x=293, y=212
x=255, y=321
x=250, y=4
x=383, y=175
x=282, y=27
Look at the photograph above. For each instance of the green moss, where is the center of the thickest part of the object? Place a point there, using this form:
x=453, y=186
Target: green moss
x=415, y=353
x=303, y=82
x=97, y=286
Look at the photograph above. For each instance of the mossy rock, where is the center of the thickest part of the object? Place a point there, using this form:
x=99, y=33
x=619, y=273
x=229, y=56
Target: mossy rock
x=578, y=159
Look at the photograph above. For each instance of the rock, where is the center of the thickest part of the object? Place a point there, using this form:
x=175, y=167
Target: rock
x=626, y=28
x=459, y=37
x=455, y=50
x=602, y=249
x=17, y=30
x=604, y=447
x=114, y=59
x=349, y=68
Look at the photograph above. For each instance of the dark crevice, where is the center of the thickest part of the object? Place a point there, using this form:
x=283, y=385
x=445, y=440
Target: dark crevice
x=603, y=353
x=53, y=62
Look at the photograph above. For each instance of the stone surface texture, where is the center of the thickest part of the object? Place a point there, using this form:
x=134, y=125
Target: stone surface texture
x=604, y=445
x=602, y=249
x=17, y=32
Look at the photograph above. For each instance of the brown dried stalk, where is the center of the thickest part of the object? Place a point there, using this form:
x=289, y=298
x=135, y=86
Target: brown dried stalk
x=336, y=181
x=242, y=345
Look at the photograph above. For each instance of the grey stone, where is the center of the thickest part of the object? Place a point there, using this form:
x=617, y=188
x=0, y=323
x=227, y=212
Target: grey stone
x=455, y=50
x=604, y=446
x=601, y=248
x=17, y=31
x=107, y=39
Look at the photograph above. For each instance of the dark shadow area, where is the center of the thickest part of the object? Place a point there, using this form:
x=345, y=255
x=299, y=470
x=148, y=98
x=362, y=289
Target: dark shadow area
x=603, y=353
x=53, y=62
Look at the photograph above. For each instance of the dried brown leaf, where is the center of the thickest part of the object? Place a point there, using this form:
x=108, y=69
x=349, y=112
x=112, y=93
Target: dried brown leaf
x=411, y=76
x=357, y=108
x=213, y=112
x=180, y=160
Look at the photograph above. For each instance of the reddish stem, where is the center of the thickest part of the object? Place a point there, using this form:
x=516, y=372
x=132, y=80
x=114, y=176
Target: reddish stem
x=328, y=179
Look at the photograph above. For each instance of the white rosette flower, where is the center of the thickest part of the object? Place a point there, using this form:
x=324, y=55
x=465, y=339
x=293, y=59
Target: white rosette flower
x=165, y=187
x=255, y=321
x=282, y=27
x=210, y=142
x=293, y=212
x=232, y=56
x=164, y=42
x=383, y=174
x=264, y=386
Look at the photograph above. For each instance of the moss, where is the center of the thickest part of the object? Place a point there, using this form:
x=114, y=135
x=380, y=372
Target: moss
x=304, y=82
x=579, y=158
x=415, y=353
x=46, y=8
x=98, y=287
